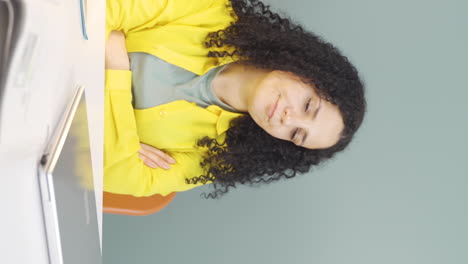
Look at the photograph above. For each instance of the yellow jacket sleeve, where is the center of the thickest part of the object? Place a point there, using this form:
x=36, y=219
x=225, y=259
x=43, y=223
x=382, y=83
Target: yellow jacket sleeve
x=173, y=30
x=124, y=172
x=136, y=15
x=127, y=15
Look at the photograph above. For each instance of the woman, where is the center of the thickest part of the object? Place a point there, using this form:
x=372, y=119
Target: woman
x=274, y=100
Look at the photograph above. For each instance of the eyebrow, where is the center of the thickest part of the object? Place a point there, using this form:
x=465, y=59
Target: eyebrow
x=314, y=116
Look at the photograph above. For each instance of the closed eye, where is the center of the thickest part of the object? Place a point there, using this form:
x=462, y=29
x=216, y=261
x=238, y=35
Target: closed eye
x=307, y=106
x=294, y=133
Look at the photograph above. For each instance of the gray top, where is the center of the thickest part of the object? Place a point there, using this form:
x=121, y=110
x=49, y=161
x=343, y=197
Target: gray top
x=156, y=82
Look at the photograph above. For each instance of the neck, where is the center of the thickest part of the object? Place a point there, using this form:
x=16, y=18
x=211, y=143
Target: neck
x=235, y=84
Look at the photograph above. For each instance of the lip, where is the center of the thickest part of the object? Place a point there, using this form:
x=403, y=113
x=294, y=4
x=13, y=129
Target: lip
x=273, y=108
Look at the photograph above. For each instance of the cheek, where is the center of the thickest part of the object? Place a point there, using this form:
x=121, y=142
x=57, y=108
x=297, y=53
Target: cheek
x=254, y=104
x=266, y=92
x=258, y=107
x=267, y=127
x=276, y=132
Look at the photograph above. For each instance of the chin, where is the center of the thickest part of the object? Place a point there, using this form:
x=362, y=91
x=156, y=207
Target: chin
x=260, y=122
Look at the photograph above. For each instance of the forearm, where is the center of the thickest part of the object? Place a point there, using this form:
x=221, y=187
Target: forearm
x=131, y=176
x=116, y=57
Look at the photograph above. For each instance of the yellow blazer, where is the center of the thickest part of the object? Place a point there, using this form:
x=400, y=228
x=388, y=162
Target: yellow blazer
x=174, y=31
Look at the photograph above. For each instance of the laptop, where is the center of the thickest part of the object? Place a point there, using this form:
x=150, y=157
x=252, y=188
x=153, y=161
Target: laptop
x=66, y=185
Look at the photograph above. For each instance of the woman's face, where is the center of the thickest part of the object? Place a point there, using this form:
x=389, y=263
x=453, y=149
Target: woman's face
x=288, y=109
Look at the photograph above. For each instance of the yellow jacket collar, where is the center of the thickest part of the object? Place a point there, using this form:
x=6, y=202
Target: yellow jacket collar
x=224, y=118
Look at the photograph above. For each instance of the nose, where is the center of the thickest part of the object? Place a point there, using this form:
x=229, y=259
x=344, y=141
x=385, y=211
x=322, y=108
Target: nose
x=286, y=116
x=289, y=117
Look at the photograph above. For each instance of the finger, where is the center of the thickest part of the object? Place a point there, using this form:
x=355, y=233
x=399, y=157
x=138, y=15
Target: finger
x=149, y=149
x=155, y=159
x=158, y=152
x=147, y=161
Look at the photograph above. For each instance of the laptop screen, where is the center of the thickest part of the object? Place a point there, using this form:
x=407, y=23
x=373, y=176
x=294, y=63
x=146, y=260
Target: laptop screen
x=67, y=190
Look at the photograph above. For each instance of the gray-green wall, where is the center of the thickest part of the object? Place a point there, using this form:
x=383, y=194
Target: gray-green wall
x=398, y=195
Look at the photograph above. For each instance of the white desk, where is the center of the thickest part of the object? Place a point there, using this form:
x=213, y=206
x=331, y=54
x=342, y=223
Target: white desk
x=53, y=57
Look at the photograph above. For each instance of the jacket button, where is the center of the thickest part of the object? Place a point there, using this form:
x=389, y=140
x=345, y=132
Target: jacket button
x=162, y=113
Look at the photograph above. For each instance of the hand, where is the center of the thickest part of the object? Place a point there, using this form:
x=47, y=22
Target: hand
x=154, y=157
x=116, y=52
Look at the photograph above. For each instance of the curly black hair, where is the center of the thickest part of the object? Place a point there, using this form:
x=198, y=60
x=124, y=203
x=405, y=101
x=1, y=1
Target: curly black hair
x=263, y=39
